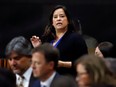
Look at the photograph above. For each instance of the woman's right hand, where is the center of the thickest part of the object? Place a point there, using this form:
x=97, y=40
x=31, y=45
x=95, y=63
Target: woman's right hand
x=35, y=40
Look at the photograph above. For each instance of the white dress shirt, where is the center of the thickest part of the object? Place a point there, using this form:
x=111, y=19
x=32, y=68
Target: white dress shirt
x=48, y=82
x=26, y=76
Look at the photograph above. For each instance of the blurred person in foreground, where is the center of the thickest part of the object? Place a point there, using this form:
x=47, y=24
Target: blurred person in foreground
x=7, y=78
x=93, y=72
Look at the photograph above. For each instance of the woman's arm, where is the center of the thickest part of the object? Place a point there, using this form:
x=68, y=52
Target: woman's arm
x=66, y=64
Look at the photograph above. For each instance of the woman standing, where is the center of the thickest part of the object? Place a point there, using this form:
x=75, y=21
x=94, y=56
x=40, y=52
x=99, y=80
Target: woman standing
x=62, y=34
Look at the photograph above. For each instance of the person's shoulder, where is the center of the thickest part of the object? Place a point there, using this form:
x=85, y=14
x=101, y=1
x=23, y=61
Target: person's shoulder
x=57, y=74
x=75, y=35
x=64, y=81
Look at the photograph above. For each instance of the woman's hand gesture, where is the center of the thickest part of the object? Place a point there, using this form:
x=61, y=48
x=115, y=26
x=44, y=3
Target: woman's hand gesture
x=35, y=40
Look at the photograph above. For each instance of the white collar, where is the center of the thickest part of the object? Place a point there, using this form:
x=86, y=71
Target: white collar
x=26, y=75
x=49, y=80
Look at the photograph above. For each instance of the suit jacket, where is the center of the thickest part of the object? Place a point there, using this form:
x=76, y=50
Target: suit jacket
x=71, y=47
x=32, y=80
x=37, y=83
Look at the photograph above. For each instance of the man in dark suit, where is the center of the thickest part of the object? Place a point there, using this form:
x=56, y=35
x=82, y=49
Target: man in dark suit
x=44, y=64
x=18, y=52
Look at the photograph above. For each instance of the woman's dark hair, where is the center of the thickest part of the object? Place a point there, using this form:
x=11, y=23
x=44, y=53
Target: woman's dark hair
x=107, y=49
x=49, y=33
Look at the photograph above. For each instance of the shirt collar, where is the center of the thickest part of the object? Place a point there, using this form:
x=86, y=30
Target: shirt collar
x=26, y=75
x=49, y=80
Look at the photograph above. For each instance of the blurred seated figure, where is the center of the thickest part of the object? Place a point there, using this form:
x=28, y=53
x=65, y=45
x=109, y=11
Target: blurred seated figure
x=64, y=81
x=7, y=78
x=93, y=72
x=105, y=49
x=90, y=41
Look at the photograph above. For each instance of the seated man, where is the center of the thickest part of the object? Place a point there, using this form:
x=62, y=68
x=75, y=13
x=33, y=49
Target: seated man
x=44, y=64
x=18, y=52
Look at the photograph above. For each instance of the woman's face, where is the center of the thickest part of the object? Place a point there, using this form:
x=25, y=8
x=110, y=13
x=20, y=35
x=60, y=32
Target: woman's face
x=82, y=78
x=59, y=20
x=98, y=53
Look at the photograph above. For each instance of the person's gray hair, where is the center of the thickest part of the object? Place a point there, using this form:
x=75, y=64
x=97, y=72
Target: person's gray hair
x=20, y=45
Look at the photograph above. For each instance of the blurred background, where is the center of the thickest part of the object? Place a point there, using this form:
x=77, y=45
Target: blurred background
x=29, y=17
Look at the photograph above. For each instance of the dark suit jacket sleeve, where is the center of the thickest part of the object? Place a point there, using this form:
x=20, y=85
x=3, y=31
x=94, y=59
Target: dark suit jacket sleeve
x=36, y=84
